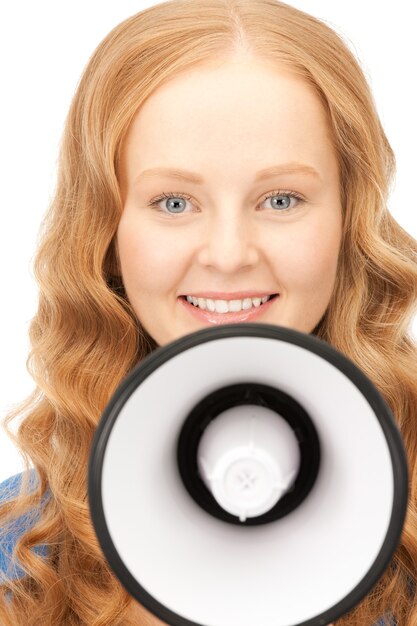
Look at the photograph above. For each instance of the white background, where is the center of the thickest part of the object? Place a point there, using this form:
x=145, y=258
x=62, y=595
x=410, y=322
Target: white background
x=44, y=47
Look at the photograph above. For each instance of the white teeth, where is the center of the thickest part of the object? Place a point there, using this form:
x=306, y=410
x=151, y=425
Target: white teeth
x=226, y=306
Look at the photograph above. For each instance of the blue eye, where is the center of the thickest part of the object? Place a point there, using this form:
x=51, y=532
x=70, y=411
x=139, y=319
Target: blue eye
x=174, y=200
x=281, y=205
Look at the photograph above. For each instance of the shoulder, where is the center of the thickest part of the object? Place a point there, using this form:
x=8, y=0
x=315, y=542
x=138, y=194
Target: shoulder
x=10, y=534
x=10, y=486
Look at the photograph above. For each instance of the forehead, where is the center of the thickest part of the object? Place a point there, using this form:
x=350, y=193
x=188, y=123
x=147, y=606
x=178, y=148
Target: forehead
x=238, y=112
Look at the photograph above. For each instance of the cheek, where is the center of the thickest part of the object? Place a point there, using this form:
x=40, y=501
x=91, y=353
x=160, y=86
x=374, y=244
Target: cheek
x=148, y=261
x=324, y=267
x=308, y=261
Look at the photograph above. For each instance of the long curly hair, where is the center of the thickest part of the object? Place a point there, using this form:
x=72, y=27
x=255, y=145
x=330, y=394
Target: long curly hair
x=85, y=336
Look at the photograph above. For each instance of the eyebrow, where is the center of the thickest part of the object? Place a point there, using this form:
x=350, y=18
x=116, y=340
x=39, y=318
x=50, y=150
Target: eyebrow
x=269, y=172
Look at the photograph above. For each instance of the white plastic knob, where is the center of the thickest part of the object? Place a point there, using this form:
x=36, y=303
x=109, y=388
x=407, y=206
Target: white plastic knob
x=248, y=457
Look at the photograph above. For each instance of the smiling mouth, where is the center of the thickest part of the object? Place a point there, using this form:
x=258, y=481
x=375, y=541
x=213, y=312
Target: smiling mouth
x=252, y=307
x=213, y=317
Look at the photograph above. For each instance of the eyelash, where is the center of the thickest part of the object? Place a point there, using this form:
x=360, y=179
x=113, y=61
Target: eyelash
x=164, y=196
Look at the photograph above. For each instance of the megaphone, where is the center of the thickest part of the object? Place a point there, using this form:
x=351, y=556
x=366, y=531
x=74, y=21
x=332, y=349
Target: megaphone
x=247, y=474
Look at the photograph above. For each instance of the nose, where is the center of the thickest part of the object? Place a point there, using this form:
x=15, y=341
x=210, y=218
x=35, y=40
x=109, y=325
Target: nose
x=229, y=243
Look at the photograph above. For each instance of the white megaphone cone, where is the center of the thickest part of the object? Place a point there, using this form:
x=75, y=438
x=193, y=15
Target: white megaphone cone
x=248, y=474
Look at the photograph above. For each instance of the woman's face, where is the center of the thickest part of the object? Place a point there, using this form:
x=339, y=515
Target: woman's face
x=225, y=125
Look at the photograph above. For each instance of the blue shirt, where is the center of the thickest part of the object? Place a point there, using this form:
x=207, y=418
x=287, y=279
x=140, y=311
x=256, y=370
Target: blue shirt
x=8, y=569
x=8, y=537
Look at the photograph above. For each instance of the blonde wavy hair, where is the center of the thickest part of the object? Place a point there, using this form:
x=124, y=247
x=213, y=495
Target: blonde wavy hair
x=85, y=336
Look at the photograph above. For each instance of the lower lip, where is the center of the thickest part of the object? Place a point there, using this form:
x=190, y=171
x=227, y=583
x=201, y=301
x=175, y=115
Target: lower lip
x=228, y=318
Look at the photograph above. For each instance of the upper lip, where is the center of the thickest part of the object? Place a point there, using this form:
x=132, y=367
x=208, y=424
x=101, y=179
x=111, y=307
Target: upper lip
x=238, y=295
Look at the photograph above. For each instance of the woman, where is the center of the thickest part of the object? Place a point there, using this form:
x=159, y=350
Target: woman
x=226, y=89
